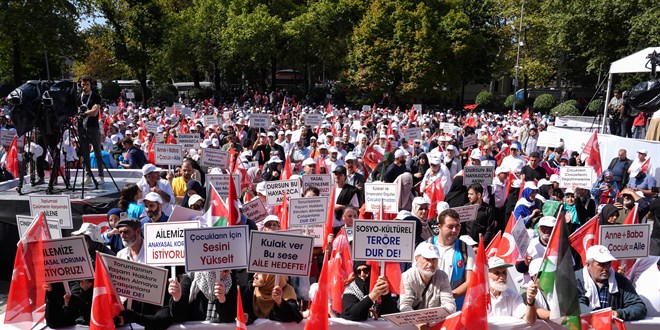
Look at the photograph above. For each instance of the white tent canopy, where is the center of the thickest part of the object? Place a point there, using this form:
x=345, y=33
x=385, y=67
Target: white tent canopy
x=633, y=63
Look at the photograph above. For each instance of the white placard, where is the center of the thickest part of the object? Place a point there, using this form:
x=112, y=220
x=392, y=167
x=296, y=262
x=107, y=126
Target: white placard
x=627, y=241
x=313, y=119
x=151, y=127
x=467, y=213
x=164, y=242
x=7, y=137
x=216, y=248
x=113, y=109
x=226, y=115
x=23, y=222
x=210, y=120
x=280, y=253
x=254, y=163
x=185, y=110
x=315, y=230
x=482, y=175
x=520, y=236
x=413, y=133
x=366, y=107
x=548, y=139
x=255, y=210
x=581, y=176
x=67, y=259
x=275, y=191
x=429, y=316
x=215, y=158
x=261, y=120
x=54, y=206
x=308, y=210
x=354, y=113
x=295, y=137
x=321, y=181
x=137, y=281
x=221, y=183
x=383, y=240
x=417, y=107
x=188, y=140
x=447, y=127
x=168, y=154
x=374, y=193
x=180, y=213
x=469, y=140
x=130, y=95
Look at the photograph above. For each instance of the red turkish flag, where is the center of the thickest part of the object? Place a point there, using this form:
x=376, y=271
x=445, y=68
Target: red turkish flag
x=491, y=249
x=150, y=153
x=600, y=319
x=526, y=114
x=452, y=322
x=120, y=105
x=12, y=158
x=286, y=170
x=318, y=310
x=329, y=220
x=328, y=109
x=392, y=272
x=105, y=301
x=507, y=249
x=372, y=157
x=240, y=314
x=283, y=213
x=592, y=149
x=645, y=165
x=631, y=219
x=232, y=203
x=341, y=267
x=585, y=237
x=436, y=193
x=503, y=153
x=477, y=298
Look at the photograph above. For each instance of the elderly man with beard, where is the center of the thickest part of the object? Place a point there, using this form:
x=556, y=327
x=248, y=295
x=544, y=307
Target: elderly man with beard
x=504, y=300
x=599, y=286
x=424, y=285
x=154, y=206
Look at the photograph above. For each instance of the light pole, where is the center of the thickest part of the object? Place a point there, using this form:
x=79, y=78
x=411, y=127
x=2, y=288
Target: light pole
x=518, y=39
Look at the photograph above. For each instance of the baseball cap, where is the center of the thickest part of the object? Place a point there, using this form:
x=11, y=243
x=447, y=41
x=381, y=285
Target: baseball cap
x=91, y=230
x=323, y=146
x=114, y=138
x=451, y=147
x=468, y=240
x=153, y=197
x=548, y=221
x=333, y=149
x=599, y=253
x=434, y=159
x=288, y=132
x=146, y=169
x=427, y=250
x=569, y=190
x=642, y=151
x=261, y=188
x=400, y=153
x=271, y=218
x=496, y=262
x=275, y=159
x=194, y=199
x=531, y=185
x=350, y=156
x=403, y=214
x=271, y=134
x=340, y=169
x=501, y=170
x=419, y=201
x=308, y=161
x=554, y=178
x=130, y=222
x=514, y=146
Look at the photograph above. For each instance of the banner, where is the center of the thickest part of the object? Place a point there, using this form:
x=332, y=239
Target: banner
x=164, y=242
x=366, y=107
x=210, y=120
x=313, y=119
x=23, y=222
x=221, y=183
x=627, y=241
x=7, y=137
x=322, y=181
x=152, y=127
x=260, y=120
x=383, y=240
x=581, y=176
x=255, y=210
x=374, y=193
x=470, y=140
x=67, y=259
x=180, y=213
x=467, y=213
x=482, y=175
x=548, y=139
x=429, y=315
x=413, y=133
x=275, y=191
x=168, y=154
x=137, y=281
x=188, y=140
x=417, y=107
x=216, y=248
x=215, y=158
x=295, y=137
x=447, y=127
x=280, y=253
x=56, y=207
x=315, y=230
x=308, y=210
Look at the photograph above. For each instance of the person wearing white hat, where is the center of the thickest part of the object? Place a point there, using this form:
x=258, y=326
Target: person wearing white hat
x=151, y=182
x=642, y=181
x=538, y=244
x=93, y=238
x=437, y=171
x=154, y=205
x=504, y=300
x=270, y=223
x=274, y=170
x=451, y=160
x=425, y=286
x=498, y=188
x=398, y=167
x=599, y=286
x=333, y=161
x=420, y=208
x=514, y=161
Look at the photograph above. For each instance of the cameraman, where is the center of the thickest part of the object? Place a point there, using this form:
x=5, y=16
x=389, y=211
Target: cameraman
x=89, y=106
x=615, y=108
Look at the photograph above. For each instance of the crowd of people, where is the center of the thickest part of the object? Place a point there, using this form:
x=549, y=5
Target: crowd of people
x=359, y=147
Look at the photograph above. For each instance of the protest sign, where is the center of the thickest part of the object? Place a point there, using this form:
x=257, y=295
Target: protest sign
x=255, y=210
x=308, y=210
x=413, y=133
x=627, y=241
x=164, y=242
x=57, y=207
x=137, y=281
x=275, y=191
x=23, y=222
x=374, y=193
x=295, y=137
x=221, y=183
x=185, y=110
x=67, y=259
x=581, y=176
x=383, y=240
x=417, y=107
x=159, y=138
x=313, y=119
x=280, y=253
x=353, y=113
x=188, y=140
x=216, y=248
x=315, y=230
x=101, y=220
x=215, y=158
x=429, y=315
x=210, y=120
x=226, y=115
x=467, y=213
x=7, y=137
x=168, y=154
x=470, y=140
x=520, y=236
x=254, y=163
x=151, y=127
x=180, y=213
x=321, y=181
x=260, y=120
x=447, y=127
x=113, y=109
x=366, y=107
x=548, y=139
x=482, y=175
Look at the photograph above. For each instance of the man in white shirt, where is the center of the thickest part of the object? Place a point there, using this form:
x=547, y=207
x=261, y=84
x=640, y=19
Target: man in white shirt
x=498, y=187
x=514, y=161
x=151, y=182
x=637, y=162
x=130, y=231
x=504, y=300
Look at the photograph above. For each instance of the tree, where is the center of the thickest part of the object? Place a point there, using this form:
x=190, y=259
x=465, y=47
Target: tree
x=568, y=108
x=544, y=102
x=485, y=98
x=99, y=61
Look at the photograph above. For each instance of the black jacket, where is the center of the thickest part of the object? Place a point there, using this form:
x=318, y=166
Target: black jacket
x=185, y=310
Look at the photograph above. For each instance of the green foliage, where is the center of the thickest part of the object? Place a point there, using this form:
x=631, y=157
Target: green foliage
x=200, y=93
x=111, y=91
x=166, y=93
x=568, y=108
x=508, y=103
x=485, y=98
x=595, y=106
x=544, y=102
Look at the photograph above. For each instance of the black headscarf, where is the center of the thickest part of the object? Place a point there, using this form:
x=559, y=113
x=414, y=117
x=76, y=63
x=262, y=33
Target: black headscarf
x=362, y=284
x=197, y=187
x=606, y=213
x=457, y=195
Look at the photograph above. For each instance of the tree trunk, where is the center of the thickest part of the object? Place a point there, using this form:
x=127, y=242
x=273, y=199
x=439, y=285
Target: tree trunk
x=16, y=59
x=195, y=76
x=146, y=93
x=273, y=72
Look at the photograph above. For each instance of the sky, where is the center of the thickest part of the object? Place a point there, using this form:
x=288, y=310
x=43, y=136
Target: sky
x=87, y=21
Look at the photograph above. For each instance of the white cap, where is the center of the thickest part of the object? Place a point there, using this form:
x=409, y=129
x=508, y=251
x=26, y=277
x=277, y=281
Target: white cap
x=333, y=149
x=400, y=153
x=275, y=159
x=215, y=142
x=434, y=159
x=91, y=230
x=451, y=147
x=128, y=131
x=476, y=153
x=146, y=169
x=548, y=221
x=403, y=214
x=114, y=138
x=501, y=170
x=261, y=188
x=194, y=199
x=271, y=134
x=153, y=197
x=468, y=240
x=514, y=146
x=531, y=185
x=569, y=190
x=308, y=161
x=323, y=146
x=419, y=201
x=554, y=178
x=599, y=253
x=496, y=262
x=288, y=132
x=271, y=218
x=642, y=151
x=535, y=266
x=349, y=156
x=441, y=206
x=205, y=144
x=544, y=182
x=427, y=250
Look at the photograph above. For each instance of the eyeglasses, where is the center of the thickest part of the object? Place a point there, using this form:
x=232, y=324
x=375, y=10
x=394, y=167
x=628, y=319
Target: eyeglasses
x=423, y=208
x=363, y=270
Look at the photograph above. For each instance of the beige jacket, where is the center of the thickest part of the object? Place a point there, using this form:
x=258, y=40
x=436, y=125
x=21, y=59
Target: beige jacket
x=438, y=293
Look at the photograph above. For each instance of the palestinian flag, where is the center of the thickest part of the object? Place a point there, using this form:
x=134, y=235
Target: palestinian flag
x=217, y=212
x=557, y=279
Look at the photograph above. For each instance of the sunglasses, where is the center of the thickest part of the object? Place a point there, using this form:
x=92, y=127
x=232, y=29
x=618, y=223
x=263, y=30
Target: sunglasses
x=363, y=270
